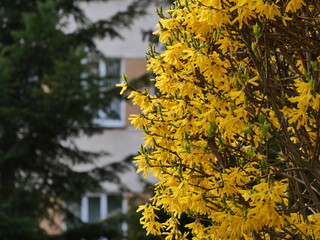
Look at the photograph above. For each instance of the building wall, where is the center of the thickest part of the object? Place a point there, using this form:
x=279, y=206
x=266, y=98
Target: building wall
x=124, y=141
x=131, y=45
x=55, y=226
x=121, y=142
x=134, y=68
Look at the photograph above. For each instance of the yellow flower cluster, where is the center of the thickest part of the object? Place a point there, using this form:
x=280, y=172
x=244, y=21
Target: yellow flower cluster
x=233, y=134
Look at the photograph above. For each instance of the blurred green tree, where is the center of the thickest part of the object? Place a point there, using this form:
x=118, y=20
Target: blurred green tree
x=49, y=95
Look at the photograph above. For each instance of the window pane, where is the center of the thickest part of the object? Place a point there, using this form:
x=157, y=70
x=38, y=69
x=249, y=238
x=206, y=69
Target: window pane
x=113, y=68
x=111, y=82
x=114, y=110
x=112, y=114
x=114, y=203
x=94, y=209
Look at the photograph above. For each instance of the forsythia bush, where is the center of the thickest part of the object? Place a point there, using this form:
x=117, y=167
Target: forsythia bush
x=233, y=136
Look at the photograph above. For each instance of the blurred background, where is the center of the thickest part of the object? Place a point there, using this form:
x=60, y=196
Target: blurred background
x=66, y=144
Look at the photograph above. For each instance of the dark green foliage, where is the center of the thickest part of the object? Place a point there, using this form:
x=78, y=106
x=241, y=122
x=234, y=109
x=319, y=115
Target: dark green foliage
x=48, y=96
x=93, y=231
x=18, y=216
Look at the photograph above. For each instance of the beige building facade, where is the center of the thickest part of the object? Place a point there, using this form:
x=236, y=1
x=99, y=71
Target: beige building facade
x=119, y=139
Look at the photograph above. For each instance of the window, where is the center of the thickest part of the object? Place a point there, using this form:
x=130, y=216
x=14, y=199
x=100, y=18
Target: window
x=95, y=207
x=110, y=69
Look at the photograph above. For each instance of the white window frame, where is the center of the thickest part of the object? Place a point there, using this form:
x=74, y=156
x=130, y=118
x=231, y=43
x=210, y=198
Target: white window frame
x=84, y=211
x=84, y=208
x=112, y=123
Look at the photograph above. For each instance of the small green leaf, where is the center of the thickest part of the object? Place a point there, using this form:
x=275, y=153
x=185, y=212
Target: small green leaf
x=261, y=118
x=256, y=31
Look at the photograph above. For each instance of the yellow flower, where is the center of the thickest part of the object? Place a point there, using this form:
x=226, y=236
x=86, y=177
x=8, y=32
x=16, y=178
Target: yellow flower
x=294, y=5
x=213, y=136
x=124, y=86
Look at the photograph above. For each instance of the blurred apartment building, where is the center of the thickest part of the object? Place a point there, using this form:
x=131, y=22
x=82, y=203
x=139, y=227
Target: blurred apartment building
x=119, y=138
